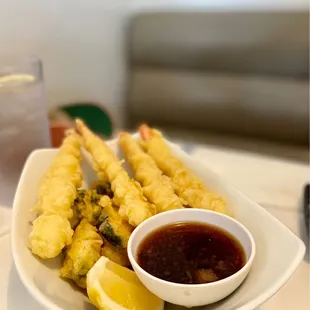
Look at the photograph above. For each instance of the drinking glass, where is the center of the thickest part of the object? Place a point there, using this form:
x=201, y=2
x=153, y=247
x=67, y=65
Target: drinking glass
x=24, y=124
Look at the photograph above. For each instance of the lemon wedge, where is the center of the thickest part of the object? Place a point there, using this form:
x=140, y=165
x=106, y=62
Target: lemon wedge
x=17, y=78
x=113, y=287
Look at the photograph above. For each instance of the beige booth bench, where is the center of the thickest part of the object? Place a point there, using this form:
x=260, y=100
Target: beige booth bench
x=220, y=77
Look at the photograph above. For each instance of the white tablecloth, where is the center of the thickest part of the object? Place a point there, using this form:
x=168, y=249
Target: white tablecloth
x=276, y=184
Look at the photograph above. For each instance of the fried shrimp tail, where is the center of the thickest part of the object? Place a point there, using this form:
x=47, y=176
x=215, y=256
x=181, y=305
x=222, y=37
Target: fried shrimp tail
x=128, y=195
x=186, y=184
x=156, y=187
x=82, y=254
x=51, y=231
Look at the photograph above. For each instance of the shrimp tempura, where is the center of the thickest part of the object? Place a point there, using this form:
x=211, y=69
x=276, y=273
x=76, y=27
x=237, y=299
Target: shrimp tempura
x=57, y=189
x=128, y=195
x=156, y=187
x=49, y=235
x=68, y=158
x=51, y=231
x=186, y=184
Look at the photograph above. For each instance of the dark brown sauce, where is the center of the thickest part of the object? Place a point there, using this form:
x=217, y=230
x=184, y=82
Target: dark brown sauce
x=190, y=253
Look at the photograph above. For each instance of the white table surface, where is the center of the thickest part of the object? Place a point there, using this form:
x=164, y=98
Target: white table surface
x=274, y=183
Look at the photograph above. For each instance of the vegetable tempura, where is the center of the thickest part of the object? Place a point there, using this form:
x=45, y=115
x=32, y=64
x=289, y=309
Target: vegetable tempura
x=51, y=231
x=116, y=255
x=156, y=187
x=113, y=228
x=186, y=184
x=128, y=195
x=82, y=254
x=86, y=206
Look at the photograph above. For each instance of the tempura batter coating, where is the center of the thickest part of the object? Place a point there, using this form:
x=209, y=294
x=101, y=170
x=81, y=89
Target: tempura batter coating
x=116, y=255
x=49, y=235
x=82, y=254
x=57, y=188
x=67, y=160
x=186, y=184
x=113, y=227
x=156, y=187
x=57, y=191
x=128, y=195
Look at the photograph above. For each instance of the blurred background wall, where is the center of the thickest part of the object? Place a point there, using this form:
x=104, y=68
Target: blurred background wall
x=81, y=42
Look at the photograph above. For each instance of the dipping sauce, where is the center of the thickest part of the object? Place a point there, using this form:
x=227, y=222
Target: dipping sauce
x=191, y=253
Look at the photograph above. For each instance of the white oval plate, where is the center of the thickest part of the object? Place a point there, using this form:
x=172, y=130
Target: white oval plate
x=279, y=251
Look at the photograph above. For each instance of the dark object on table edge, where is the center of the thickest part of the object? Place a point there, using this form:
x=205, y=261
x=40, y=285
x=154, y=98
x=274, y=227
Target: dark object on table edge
x=306, y=207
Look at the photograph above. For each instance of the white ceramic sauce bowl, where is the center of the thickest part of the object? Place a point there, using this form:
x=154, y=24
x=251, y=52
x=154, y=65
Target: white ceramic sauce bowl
x=190, y=295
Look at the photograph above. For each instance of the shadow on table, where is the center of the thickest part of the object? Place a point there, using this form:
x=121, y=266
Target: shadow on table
x=18, y=296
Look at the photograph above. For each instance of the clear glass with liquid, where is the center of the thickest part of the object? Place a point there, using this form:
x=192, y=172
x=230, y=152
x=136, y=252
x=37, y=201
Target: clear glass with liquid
x=24, y=124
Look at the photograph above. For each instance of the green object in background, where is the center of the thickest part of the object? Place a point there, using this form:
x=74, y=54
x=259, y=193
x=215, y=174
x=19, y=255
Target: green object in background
x=96, y=118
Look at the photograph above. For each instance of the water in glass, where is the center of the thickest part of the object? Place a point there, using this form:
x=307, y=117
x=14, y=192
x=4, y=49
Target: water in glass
x=23, y=126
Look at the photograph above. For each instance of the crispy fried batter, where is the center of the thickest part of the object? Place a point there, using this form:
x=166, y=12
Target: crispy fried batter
x=116, y=255
x=113, y=228
x=187, y=185
x=102, y=187
x=57, y=192
x=128, y=195
x=156, y=187
x=58, y=185
x=86, y=206
x=67, y=160
x=49, y=235
x=82, y=254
